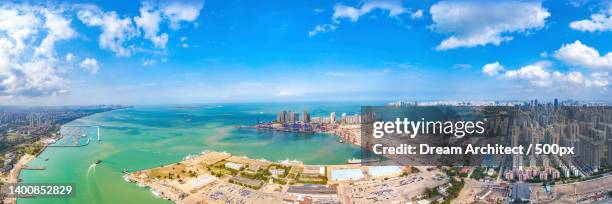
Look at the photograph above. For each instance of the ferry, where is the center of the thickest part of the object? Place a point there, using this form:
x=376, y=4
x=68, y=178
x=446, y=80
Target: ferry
x=155, y=192
x=359, y=161
x=354, y=161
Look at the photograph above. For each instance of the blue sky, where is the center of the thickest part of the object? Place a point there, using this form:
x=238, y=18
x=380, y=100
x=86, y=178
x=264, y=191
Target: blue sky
x=153, y=52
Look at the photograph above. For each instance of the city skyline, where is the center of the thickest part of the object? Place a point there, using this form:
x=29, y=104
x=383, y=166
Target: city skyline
x=152, y=52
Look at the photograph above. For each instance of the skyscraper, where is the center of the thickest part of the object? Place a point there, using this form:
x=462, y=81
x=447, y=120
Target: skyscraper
x=305, y=117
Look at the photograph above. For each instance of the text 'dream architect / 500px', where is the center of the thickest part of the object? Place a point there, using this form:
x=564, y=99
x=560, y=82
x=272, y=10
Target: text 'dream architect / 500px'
x=465, y=135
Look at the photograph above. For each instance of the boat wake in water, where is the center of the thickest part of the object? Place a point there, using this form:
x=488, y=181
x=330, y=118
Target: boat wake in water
x=93, y=184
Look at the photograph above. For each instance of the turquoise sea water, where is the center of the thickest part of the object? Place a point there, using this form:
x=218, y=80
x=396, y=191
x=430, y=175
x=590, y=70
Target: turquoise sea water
x=146, y=137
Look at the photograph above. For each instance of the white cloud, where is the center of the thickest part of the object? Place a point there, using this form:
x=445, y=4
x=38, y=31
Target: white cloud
x=115, y=30
x=185, y=45
x=28, y=66
x=148, y=21
x=90, y=65
x=417, y=14
x=149, y=62
x=69, y=57
x=480, y=23
x=58, y=29
x=538, y=75
x=323, y=28
x=177, y=11
x=393, y=8
x=535, y=74
x=598, y=22
x=582, y=55
x=492, y=69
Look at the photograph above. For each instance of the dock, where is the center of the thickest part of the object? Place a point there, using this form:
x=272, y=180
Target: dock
x=26, y=167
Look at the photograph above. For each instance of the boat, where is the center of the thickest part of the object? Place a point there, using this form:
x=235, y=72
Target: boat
x=98, y=161
x=155, y=193
x=341, y=141
x=126, y=178
x=354, y=161
x=47, y=159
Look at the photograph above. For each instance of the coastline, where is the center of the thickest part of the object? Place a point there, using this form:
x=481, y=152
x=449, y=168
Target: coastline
x=16, y=171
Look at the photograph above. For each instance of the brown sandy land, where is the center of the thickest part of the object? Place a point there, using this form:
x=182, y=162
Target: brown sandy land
x=250, y=162
x=178, y=170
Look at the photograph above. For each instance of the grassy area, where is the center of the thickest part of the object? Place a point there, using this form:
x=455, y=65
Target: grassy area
x=454, y=171
x=312, y=179
x=174, y=171
x=31, y=149
x=478, y=173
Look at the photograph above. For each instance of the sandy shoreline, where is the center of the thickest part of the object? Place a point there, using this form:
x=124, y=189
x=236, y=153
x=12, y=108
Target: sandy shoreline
x=14, y=174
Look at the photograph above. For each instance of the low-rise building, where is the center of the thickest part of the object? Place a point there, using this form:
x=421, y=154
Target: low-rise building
x=232, y=165
x=313, y=171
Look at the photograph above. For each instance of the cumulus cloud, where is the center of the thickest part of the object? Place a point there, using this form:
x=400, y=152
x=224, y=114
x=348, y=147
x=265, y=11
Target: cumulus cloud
x=538, y=75
x=535, y=74
x=492, y=69
x=323, y=28
x=91, y=65
x=70, y=57
x=149, y=21
x=118, y=31
x=477, y=23
x=598, y=22
x=28, y=66
x=177, y=11
x=115, y=30
x=417, y=14
x=393, y=8
x=58, y=29
x=579, y=54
